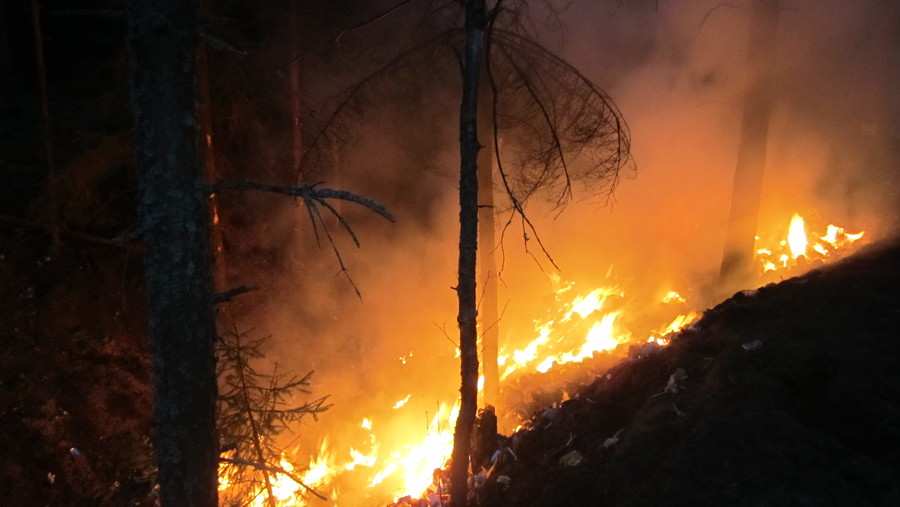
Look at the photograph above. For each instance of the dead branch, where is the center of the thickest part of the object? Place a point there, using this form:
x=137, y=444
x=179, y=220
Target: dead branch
x=18, y=222
x=228, y=295
x=307, y=192
x=317, y=215
x=314, y=196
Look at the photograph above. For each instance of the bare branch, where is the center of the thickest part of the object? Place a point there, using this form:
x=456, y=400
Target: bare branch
x=307, y=192
x=228, y=295
x=337, y=253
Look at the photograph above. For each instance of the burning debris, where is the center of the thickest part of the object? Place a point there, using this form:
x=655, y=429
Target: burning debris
x=802, y=248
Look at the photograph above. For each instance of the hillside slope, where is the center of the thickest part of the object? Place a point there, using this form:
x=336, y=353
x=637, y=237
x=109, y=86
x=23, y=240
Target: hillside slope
x=785, y=395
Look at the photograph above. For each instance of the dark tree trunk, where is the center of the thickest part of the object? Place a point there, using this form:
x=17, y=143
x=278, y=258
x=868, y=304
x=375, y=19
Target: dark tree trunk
x=294, y=73
x=208, y=153
x=175, y=222
x=7, y=83
x=737, y=260
x=53, y=201
x=487, y=312
x=468, y=247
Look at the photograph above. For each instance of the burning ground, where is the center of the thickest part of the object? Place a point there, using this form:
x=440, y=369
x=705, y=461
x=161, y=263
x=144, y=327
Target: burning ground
x=784, y=395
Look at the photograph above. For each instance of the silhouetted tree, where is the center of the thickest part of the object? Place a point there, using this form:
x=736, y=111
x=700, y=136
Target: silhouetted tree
x=476, y=22
x=737, y=259
x=175, y=224
x=559, y=129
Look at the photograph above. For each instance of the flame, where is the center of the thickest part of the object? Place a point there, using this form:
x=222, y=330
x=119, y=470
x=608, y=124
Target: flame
x=673, y=296
x=402, y=402
x=800, y=242
x=797, y=236
x=384, y=456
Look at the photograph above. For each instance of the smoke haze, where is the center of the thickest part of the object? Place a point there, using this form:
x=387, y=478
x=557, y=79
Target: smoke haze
x=676, y=70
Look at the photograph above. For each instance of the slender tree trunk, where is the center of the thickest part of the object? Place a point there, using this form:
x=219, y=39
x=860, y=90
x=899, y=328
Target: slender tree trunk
x=7, y=85
x=294, y=73
x=255, y=433
x=737, y=260
x=468, y=246
x=300, y=239
x=208, y=154
x=175, y=222
x=45, y=126
x=487, y=312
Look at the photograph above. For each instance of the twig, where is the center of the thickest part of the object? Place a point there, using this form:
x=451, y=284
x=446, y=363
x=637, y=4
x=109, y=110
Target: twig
x=447, y=336
x=18, y=222
x=228, y=295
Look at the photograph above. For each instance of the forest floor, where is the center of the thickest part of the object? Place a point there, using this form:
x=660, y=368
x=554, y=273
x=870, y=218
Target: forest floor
x=784, y=395
x=75, y=392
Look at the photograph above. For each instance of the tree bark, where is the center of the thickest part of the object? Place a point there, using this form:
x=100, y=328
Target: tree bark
x=488, y=315
x=175, y=222
x=737, y=259
x=468, y=246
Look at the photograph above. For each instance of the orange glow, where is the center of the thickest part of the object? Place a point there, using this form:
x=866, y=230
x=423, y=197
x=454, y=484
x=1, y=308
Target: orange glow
x=385, y=456
x=801, y=241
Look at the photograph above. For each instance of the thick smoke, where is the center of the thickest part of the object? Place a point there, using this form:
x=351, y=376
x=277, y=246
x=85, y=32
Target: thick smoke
x=676, y=70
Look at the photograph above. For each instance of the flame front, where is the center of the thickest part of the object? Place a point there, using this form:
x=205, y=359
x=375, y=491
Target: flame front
x=390, y=459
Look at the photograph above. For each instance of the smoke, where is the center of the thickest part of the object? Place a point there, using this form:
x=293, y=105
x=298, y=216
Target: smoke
x=676, y=70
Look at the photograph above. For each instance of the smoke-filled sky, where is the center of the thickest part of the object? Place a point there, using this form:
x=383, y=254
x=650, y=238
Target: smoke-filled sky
x=676, y=71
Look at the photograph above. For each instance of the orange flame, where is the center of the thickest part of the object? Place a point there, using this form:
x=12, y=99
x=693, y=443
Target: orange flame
x=398, y=460
x=801, y=242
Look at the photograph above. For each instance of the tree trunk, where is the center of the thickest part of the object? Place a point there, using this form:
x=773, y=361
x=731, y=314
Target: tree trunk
x=7, y=84
x=737, y=260
x=53, y=201
x=175, y=222
x=294, y=73
x=468, y=246
x=208, y=154
x=487, y=312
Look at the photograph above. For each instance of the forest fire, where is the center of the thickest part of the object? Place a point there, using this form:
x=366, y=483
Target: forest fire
x=388, y=459
x=286, y=285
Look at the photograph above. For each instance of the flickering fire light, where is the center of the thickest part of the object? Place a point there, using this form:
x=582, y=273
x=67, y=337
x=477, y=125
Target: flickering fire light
x=394, y=461
x=801, y=243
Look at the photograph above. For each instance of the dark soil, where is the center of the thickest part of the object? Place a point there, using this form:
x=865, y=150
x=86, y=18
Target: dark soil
x=786, y=395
